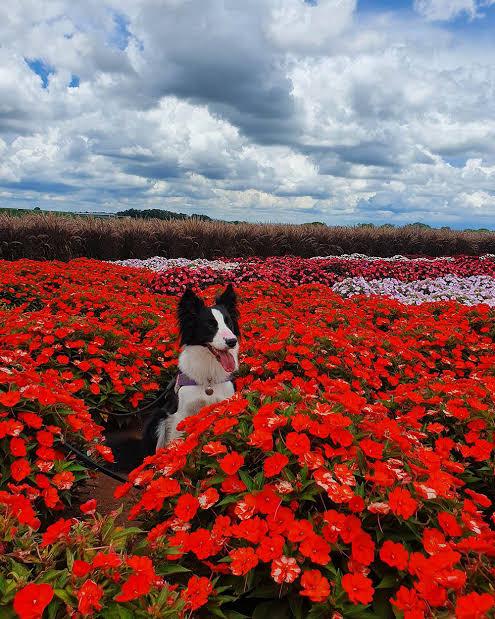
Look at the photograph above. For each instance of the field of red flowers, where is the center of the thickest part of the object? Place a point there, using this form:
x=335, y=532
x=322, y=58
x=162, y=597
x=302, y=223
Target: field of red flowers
x=352, y=475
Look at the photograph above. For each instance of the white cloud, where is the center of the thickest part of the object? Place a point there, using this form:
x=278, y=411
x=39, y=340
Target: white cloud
x=269, y=109
x=445, y=10
x=302, y=27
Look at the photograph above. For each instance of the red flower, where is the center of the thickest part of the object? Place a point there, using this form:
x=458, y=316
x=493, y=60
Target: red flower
x=31, y=419
x=401, y=503
x=201, y=544
x=208, y=498
x=394, y=554
x=106, y=560
x=356, y=504
x=315, y=548
x=18, y=447
x=284, y=569
x=134, y=587
x=64, y=480
x=214, y=448
x=449, y=524
x=363, y=549
x=56, y=531
x=298, y=444
x=197, y=592
x=186, y=508
x=474, y=606
x=270, y=548
x=267, y=501
x=243, y=561
x=274, y=464
x=20, y=469
x=80, y=568
x=358, y=588
x=315, y=586
x=10, y=398
x=408, y=601
x=231, y=463
x=89, y=596
x=158, y=490
x=372, y=449
x=89, y=507
x=44, y=438
x=31, y=601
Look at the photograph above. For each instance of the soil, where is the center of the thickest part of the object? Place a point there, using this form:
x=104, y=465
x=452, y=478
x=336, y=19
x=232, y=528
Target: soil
x=102, y=487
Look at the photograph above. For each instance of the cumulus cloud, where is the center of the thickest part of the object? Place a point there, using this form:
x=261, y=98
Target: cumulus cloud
x=444, y=10
x=266, y=110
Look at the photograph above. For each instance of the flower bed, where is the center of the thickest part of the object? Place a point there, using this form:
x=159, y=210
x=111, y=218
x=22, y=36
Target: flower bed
x=352, y=475
x=290, y=271
x=467, y=290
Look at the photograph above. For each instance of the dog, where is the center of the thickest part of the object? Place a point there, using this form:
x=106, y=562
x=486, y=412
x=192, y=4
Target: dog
x=209, y=337
x=209, y=357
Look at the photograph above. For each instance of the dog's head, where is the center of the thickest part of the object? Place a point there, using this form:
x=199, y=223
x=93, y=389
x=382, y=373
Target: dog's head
x=216, y=327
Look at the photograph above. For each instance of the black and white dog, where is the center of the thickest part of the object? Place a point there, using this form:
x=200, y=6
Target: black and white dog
x=210, y=340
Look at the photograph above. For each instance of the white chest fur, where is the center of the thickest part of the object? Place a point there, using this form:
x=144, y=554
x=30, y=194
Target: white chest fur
x=191, y=399
x=202, y=367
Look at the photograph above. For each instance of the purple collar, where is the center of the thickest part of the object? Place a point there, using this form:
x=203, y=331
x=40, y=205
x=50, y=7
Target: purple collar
x=183, y=380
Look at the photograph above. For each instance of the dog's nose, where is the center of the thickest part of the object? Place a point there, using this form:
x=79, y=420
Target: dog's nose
x=231, y=341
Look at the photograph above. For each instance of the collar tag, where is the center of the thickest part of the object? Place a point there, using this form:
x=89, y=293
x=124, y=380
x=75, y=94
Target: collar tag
x=183, y=380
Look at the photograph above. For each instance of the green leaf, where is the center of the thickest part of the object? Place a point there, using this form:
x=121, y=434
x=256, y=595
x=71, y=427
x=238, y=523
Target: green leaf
x=172, y=569
x=70, y=558
x=389, y=581
x=317, y=612
x=360, y=612
x=382, y=606
x=246, y=479
x=64, y=596
x=227, y=500
x=8, y=613
x=116, y=611
x=126, y=532
x=19, y=570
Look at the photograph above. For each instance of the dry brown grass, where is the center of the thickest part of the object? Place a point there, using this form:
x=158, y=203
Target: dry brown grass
x=49, y=237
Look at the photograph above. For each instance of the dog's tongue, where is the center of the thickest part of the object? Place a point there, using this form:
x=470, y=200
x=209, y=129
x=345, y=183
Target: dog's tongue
x=227, y=360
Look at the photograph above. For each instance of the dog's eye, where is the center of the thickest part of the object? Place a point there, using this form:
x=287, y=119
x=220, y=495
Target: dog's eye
x=212, y=322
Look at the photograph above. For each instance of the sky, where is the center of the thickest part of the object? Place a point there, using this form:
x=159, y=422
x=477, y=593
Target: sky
x=340, y=111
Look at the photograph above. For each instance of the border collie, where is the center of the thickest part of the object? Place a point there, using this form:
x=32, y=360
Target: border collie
x=210, y=340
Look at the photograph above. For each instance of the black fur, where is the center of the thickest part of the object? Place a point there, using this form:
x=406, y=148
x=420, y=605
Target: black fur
x=197, y=326
x=227, y=304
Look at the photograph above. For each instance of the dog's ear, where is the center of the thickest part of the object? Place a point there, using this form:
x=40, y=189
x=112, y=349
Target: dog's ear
x=188, y=310
x=228, y=299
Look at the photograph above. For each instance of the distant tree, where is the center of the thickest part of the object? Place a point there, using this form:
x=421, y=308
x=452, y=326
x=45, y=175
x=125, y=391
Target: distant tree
x=418, y=224
x=36, y=208
x=156, y=213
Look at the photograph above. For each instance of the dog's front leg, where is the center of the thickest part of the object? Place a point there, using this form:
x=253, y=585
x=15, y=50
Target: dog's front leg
x=187, y=405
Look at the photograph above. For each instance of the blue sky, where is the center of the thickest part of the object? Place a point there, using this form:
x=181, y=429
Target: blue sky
x=340, y=111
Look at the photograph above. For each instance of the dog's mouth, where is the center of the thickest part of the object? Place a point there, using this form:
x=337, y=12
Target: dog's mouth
x=224, y=357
